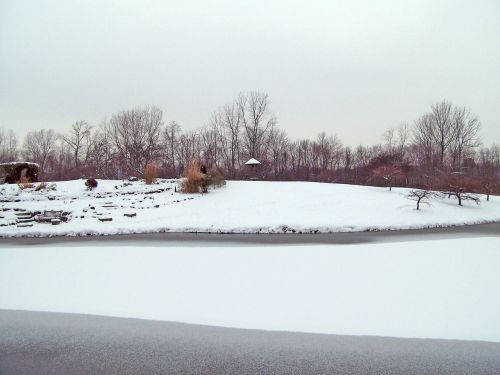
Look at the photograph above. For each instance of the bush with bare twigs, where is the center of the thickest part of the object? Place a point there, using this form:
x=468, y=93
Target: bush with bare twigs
x=388, y=173
x=216, y=177
x=462, y=194
x=460, y=186
x=150, y=174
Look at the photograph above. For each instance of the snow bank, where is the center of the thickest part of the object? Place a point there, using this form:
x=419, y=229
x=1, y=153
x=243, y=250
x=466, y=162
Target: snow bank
x=240, y=207
x=435, y=289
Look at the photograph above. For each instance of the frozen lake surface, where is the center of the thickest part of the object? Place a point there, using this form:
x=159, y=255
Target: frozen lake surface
x=444, y=286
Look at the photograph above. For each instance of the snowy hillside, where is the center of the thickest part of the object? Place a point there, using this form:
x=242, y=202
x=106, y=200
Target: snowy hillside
x=240, y=207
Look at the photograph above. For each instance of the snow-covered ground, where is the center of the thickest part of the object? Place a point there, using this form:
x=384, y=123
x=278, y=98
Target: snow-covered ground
x=240, y=207
x=435, y=289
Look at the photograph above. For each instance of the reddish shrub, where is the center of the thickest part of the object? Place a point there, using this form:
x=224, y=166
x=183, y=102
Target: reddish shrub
x=91, y=183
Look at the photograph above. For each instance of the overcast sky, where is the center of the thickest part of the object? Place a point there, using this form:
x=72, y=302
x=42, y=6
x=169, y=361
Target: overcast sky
x=354, y=68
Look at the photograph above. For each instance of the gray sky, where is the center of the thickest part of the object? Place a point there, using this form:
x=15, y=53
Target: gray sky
x=354, y=68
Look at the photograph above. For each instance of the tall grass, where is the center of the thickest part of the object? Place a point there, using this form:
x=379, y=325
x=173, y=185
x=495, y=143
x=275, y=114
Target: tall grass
x=150, y=174
x=193, y=180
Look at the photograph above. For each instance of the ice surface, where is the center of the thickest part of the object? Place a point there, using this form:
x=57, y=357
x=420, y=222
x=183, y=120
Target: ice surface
x=436, y=289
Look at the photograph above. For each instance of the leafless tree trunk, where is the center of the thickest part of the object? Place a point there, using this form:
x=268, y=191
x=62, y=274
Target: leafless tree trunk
x=423, y=139
x=189, y=149
x=38, y=147
x=420, y=196
x=257, y=122
x=389, y=140
x=171, y=140
x=231, y=122
x=77, y=138
x=8, y=146
x=441, y=119
x=136, y=136
x=278, y=150
x=403, y=138
x=211, y=141
x=465, y=130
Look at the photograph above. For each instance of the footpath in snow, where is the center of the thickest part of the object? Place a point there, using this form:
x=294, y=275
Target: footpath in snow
x=428, y=289
x=240, y=207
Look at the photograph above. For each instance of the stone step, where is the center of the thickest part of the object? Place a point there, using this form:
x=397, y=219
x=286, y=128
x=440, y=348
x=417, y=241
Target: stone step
x=30, y=220
x=24, y=225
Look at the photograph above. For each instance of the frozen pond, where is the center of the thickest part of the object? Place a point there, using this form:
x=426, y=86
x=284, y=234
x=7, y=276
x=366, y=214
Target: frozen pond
x=441, y=286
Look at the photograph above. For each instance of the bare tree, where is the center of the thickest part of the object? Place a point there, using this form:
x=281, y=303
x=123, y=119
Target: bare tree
x=489, y=185
x=278, y=150
x=388, y=173
x=8, y=145
x=257, y=122
x=136, y=137
x=465, y=130
x=38, y=147
x=231, y=124
x=77, y=138
x=441, y=119
x=460, y=186
x=323, y=150
x=101, y=153
x=461, y=193
x=420, y=196
x=423, y=140
x=189, y=149
x=403, y=138
x=211, y=142
x=389, y=140
x=171, y=139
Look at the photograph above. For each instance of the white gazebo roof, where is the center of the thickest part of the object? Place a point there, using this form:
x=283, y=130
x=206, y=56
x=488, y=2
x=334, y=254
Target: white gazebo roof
x=252, y=161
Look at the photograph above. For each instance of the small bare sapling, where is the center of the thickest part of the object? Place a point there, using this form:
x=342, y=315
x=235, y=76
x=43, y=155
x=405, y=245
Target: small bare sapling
x=421, y=197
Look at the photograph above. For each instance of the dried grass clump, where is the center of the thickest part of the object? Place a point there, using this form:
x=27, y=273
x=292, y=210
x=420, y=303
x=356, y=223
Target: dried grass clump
x=24, y=183
x=41, y=186
x=150, y=174
x=196, y=181
x=193, y=180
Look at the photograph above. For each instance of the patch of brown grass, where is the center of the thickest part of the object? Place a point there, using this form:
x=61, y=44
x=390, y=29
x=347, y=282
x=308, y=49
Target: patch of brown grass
x=194, y=180
x=41, y=186
x=150, y=174
x=24, y=183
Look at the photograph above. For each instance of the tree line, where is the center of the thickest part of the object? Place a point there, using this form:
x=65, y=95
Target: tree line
x=443, y=142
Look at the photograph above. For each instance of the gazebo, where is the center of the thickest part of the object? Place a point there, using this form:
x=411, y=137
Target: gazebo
x=253, y=173
x=252, y=162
